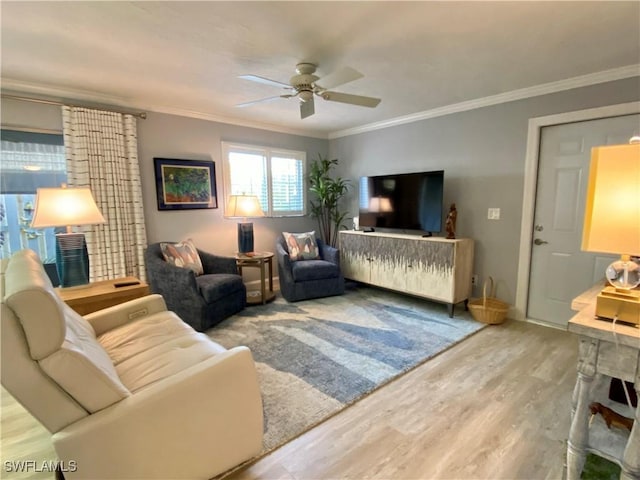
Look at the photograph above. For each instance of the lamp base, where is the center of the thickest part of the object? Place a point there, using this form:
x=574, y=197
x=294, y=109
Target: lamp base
x=623, y=305
x=72, y=259
x=245, y=237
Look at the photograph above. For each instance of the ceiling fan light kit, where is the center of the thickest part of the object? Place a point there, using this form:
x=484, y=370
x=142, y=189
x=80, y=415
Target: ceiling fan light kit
x=305, y=95
x=305, y=85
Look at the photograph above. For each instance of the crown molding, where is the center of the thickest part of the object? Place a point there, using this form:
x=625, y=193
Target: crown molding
x=72, y=96
x=238, y=122
x=520, y=94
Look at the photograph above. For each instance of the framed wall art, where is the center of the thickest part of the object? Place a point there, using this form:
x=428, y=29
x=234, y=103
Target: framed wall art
x=185, y=184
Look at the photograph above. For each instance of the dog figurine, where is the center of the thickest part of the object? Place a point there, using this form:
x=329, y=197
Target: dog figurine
x=611, y=417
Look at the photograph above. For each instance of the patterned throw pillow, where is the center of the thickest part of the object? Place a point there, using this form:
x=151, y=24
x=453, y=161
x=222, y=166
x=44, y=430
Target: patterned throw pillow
x=183, y=255
x=302, y=246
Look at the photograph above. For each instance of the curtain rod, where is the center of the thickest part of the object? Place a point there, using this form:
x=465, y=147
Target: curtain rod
x=141, y=115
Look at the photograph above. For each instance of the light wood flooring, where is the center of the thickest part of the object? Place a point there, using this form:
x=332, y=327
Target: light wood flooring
x=495, y=406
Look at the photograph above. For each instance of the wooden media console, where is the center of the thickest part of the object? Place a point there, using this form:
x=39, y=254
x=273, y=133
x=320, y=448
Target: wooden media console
x=430, y=267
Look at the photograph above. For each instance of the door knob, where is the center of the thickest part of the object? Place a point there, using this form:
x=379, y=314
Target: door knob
x=537, y=241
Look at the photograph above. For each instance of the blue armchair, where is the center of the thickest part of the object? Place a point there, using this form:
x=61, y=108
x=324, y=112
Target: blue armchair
x=203, y=300
x=305, y=279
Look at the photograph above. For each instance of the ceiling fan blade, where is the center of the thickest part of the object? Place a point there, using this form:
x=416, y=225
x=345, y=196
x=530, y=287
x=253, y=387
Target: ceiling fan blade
x=307, y=108
x=339, y=77
x=262, y=100
x=266, y=81
x=351, y=99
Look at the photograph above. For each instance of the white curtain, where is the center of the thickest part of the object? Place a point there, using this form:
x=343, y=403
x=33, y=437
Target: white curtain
x=101, y=149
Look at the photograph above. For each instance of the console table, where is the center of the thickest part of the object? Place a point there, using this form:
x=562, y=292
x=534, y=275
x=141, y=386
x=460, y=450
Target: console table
x=102, y=294
x=431, y=267
x=260, y=260
x=605, y=351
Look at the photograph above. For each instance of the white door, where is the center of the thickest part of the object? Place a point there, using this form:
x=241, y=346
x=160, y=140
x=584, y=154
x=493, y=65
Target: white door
x=560, y=271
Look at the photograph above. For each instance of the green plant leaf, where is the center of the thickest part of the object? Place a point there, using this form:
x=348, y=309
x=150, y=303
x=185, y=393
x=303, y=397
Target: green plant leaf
x=328, y=192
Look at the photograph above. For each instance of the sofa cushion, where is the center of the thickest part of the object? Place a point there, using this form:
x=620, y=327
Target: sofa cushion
x=62, y=342
x=215, y=286
x=314, y=270
x=173, y=348
x=133, y=338
x=83, y=368
x=183, y=254
x=302, y=246
x=29, y=293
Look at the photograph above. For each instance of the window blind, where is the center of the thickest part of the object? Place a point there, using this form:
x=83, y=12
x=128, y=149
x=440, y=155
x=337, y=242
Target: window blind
x=277, y=177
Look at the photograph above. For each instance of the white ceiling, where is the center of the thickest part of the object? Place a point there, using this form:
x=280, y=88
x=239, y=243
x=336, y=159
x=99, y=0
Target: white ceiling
x=185, y=57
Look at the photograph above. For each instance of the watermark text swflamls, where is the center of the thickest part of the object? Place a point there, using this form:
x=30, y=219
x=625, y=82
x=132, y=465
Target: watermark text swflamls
x=35, y=466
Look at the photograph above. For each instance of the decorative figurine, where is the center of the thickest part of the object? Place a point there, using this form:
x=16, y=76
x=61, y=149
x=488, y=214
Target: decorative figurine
x=611, y=417
x=450, y=223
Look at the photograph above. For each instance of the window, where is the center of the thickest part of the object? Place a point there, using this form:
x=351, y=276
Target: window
x=363, y=197
x=28, y=161
x=276, y=176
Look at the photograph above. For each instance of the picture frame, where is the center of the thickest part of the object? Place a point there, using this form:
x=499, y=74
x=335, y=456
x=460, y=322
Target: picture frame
x=185, y=184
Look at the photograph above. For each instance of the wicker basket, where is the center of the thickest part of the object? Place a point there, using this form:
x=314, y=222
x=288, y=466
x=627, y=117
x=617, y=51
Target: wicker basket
x=488, y=309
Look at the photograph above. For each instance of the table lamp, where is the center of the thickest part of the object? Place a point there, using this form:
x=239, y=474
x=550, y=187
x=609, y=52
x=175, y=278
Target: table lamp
x=244, y=206
x=612, y=225
x=58, y=207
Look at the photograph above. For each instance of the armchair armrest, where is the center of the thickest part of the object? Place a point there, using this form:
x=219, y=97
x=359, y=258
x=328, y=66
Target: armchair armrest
x=191, y=425
x=212, y=263
x=170, y=277
x=118, y=315
x=177, y=285
x=330, y=254
x=284, y=263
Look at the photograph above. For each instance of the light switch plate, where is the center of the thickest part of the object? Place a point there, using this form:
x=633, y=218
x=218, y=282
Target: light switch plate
x=493, y=214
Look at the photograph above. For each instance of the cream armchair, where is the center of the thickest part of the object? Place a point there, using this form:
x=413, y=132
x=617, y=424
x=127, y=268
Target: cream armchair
x=127, y=392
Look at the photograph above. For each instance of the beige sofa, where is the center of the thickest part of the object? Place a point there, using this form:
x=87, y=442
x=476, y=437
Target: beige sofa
x=127, y=392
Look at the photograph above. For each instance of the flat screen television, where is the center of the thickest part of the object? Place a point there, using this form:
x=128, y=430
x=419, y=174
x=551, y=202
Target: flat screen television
x=407, y=201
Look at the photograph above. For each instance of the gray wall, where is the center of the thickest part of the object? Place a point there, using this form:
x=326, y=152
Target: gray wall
x=483, y=154
x=171, y=136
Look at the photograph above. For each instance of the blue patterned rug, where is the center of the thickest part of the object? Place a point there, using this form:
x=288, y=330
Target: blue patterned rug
x=317, y=356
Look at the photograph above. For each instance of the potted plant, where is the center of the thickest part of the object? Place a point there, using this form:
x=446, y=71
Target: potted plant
x=328, y=192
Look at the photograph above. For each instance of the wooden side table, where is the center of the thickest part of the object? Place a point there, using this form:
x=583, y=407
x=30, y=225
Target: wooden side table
x=260, y=260
x=98, y=295
x=605, y=351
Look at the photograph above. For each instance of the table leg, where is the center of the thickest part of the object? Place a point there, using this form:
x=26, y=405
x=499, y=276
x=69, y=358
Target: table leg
x=262, y=284
x=631, y=458
x=579, y=431
x=270, y=261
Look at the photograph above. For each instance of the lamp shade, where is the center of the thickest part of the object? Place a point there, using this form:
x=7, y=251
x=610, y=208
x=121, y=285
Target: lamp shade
x=612, y=210
x=243, y=206
x=57, y=207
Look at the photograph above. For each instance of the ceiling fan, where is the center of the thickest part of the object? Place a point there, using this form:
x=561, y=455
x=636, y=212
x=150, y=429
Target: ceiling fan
x=305, y=85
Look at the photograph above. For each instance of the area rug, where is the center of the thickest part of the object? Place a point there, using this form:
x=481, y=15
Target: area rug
x=316, y=357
